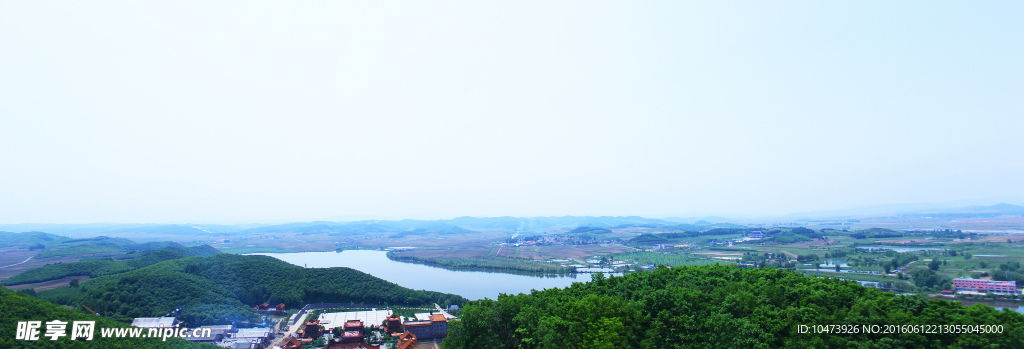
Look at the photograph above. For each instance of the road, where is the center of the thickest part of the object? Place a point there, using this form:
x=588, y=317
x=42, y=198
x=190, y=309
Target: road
x=22, y=262
x=291, y=330
x=791, y=254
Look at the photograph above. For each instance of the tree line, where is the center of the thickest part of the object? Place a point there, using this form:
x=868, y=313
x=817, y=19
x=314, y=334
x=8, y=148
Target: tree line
x=19, y=307
x=501, y=264
x=719, y=306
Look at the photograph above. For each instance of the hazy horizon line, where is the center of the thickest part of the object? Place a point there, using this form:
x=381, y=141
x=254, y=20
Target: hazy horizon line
x=853, y=211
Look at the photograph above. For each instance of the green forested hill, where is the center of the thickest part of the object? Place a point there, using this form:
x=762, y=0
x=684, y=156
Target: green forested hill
x=719, y=307
x=15, y=307
x=100, y=244
x=24, y=240
x=96, y=268
x=60, y=246
x=223, y=287
x=139, y=259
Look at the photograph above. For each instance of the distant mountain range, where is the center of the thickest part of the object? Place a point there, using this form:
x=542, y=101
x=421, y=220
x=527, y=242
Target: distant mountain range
x=57, y=246
x=461, y=225
x=464, y=225
x=95, y=229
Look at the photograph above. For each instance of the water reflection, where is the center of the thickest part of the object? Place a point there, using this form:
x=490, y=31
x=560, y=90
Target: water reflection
x=1017, y=307
x=469, y=284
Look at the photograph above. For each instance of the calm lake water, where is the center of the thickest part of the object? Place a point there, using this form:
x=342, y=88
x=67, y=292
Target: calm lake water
x=469, y=284
x=998, y=305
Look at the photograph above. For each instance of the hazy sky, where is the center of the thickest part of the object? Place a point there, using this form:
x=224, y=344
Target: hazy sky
x=216, y=111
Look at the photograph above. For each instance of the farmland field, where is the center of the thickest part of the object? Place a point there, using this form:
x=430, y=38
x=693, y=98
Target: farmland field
x=47, y=285
x=16, y=256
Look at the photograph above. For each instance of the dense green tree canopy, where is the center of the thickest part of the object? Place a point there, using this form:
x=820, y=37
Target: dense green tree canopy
x=15, y=307
x=719, y=307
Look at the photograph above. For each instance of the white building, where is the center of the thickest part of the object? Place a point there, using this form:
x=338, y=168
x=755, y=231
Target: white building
x=369, y=318
x=155, y=322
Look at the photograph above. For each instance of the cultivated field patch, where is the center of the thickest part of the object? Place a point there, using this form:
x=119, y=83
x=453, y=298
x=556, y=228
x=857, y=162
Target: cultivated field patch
x=47, y=285
x=17, y=256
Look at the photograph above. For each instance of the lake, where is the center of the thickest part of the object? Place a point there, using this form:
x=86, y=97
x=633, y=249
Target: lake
x=1017, y=307
x=469, y=284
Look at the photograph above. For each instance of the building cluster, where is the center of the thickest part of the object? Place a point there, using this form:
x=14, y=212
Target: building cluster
x=337, y=330
x=350, y=330
x=224, y=336
x=557, y=240
x=593, y=265
x=351, y=335
x=660, y=247
x=985, y=286
x=267, y=309
x=719, y=243
x=248, y=338
x=752, y=236
x=156, y=322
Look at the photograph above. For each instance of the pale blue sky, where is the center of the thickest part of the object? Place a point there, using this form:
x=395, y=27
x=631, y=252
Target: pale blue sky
x=253, y=111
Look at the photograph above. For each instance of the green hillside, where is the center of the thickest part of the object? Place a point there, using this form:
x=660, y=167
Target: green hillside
x=720, y=307
x=59, y=246
x=78, y=250
x=21, y=307
x=223, y=287
x=141, y=259
x=96, y=268
x=876, y=233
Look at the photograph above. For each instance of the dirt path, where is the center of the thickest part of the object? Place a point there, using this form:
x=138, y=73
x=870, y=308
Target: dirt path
x=19, y=265
x=291, y=330
x=791, y=254
x=277, y=327
x=22, y=262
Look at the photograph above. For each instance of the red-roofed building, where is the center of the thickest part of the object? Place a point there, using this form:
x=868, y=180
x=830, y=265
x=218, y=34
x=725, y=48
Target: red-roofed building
x=437, y=327
x=985, y=286
x=407, y=340
x=312, y=330
x=353, y=325
x=351, y=337
x=266, y=308
x=394, y=324
x=294, y=343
